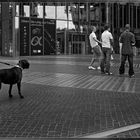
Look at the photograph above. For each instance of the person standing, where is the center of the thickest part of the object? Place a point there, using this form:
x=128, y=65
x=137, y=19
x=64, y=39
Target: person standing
x=126, y=41
x=107, y=48
x=96, y=49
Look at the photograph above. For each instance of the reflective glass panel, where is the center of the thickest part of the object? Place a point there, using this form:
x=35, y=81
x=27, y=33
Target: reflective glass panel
x=62, y=12
x=72, y=10
x=94, y=11
x=74, y=13
x=71, y=26
x=26, y=10
x=50, y=11
x=16, y=22
x=40, y=11
x=17, y=10
x=61, y=24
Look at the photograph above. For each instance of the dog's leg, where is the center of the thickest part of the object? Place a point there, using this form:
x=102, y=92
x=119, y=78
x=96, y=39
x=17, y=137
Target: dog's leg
x=19, y=90
x=10, y=89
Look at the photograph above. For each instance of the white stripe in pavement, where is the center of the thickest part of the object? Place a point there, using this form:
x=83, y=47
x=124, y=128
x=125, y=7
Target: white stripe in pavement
x=97, y=82
x=84, y=82
x=134, y=86
x=105, y=83
x=125, y=85
x=112, y=132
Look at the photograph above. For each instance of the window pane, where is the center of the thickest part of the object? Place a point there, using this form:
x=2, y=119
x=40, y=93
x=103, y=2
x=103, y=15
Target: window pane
x=16, y=22
x=40, y=11
x=17, y=10
x=71, y=26
x=26, y=10
x=74, y=13
x=61, y=12
x=95, y=12
x=61, y=24
x=50, y=11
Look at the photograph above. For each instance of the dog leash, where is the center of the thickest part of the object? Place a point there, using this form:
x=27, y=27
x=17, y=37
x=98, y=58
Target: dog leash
x=11, y=65
x=6, y=63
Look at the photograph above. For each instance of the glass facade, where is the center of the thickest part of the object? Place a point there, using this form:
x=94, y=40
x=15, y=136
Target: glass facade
x=44, y=28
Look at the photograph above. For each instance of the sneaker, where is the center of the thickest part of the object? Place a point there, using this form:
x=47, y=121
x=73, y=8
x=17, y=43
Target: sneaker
x=98, y=68
x=91, y=68
x=131, y=76
x=108, y=73
x=112, y=57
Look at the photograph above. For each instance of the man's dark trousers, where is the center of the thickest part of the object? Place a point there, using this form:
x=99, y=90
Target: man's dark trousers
x=105, y=62
x=123, y=60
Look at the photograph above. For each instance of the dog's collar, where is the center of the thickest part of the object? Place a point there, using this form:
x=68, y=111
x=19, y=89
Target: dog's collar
x=19, y=67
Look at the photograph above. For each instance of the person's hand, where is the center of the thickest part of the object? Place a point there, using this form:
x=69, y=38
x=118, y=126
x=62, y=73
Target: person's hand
x=100, y=42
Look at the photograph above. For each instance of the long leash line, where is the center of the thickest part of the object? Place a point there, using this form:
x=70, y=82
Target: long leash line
x=11, y=65
x=6, y=63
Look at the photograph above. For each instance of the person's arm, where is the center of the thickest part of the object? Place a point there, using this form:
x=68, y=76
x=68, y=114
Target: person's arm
x=133, y=40
x=97, y=40
x=111, y=41
x=120, y=44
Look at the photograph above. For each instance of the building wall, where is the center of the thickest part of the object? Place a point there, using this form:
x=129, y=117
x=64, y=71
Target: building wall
x=73, y=21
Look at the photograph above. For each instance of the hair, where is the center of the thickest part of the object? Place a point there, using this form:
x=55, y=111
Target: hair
x=93, y=27
x=106, y=27
x=127, y=26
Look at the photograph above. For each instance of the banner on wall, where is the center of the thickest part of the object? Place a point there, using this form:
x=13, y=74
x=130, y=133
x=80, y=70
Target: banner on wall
x=24, y=36
x=37, y=37
x=49, y=36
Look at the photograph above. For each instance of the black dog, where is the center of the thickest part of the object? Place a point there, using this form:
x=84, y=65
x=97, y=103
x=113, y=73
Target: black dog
x=13, y=76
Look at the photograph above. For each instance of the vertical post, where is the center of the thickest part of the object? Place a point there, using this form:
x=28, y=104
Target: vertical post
x=87, y=21
x=30, y=5
x=129, y=14
x=65, y=38
x=107, y=12
x=100, y=19
x=132, y=13
x=14, y=48
x=55, y=25
x=112, y=18
x=118, y=9
x=43, y=25
x=136, y=17
x=67, y=12
x=5, y=28
x=123, y=15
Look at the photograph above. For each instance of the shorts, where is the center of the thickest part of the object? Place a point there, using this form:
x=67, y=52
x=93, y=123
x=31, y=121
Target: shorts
x=97, y=52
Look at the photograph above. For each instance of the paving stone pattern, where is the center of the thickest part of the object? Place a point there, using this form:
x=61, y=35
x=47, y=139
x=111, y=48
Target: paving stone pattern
x=70, y=105
x=66, y=112
x=98, y=82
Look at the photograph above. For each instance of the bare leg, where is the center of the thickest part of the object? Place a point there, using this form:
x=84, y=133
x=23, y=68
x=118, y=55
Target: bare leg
x=92, y=61
x=19, y=90
x=10, y=89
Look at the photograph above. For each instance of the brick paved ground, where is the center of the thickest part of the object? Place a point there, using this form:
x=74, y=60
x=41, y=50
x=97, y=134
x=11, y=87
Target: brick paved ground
x=60, y=103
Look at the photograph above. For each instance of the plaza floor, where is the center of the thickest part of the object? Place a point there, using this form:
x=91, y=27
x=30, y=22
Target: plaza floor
x=63, y=99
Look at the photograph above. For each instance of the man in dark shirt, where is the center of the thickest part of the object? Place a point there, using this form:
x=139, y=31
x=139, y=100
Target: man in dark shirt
x=127, y=40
